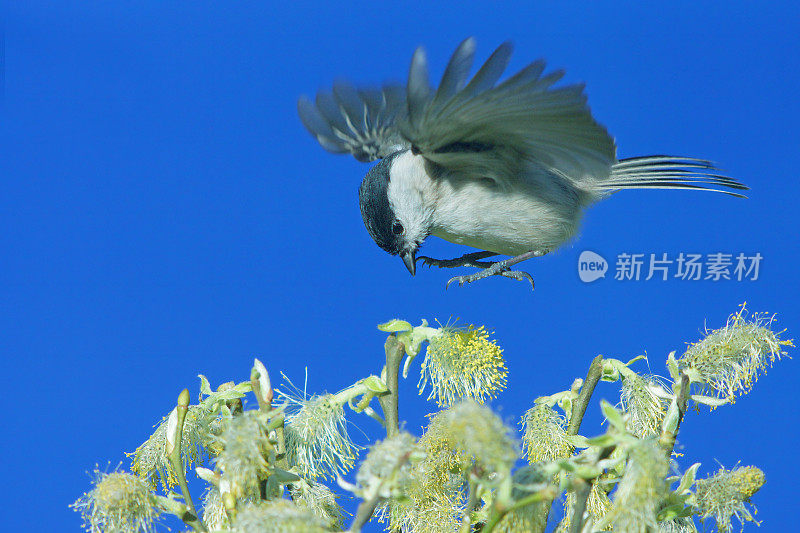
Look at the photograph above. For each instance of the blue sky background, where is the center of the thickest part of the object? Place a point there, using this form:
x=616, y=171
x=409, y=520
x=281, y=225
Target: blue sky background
x=164, y=214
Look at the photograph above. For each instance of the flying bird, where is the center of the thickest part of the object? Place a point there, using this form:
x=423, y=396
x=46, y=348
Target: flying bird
x=506, y=167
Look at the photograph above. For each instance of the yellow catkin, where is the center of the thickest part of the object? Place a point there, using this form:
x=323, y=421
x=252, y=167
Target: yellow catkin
x=463, y=363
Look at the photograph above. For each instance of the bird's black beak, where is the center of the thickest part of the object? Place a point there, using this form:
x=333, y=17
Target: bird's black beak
x=410, y=260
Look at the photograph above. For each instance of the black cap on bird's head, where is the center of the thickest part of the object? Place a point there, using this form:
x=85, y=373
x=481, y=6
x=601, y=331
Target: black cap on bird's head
x=379, y=217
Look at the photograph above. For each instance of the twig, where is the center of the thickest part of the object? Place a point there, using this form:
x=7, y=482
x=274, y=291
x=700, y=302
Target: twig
x=191, y=518
x=280, y=433
x=364, y=513
x=472, y=502
x=389, y=401
x=579, y=406
x=499, y=513
x=264, y=404
x=494, y=519
x=394, y=356
x=667, y=438
x=367, y=508
x=582, y=401
x=581, y=496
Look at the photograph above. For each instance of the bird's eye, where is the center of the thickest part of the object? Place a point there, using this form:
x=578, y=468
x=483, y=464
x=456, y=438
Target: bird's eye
x=397, y=228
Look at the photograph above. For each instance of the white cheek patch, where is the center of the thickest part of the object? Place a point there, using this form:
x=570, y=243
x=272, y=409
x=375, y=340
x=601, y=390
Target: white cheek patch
x=411, y=195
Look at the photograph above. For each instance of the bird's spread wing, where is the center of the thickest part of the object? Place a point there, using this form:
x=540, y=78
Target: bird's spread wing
x=362, y=122
x=470, y=123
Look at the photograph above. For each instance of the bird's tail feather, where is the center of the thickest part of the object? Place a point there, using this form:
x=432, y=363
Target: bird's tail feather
x=669, y=172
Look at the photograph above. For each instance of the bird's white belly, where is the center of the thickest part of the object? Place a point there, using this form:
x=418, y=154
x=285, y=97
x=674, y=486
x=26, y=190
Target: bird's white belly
x=483, y=217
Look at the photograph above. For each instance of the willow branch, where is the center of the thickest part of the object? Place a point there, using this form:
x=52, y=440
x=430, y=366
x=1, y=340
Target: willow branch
x=579, y=406
x=263, y=403
x=582, y=401
x=498, y=513
x=472, y=503
x=389, y=404
x=581, y=496
x=667, y=438
x=389, y=401
x=364, y=513
x=367, y=508
x=191, y=518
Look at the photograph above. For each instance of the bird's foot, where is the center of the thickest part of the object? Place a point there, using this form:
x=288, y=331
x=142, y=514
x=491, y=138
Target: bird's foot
x=466, y=260
x=500, y=268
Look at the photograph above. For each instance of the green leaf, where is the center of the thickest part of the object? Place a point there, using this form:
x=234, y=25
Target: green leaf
x=694, y=375
x=226, y=395
x=217, y=400
x=601, y=441
x=613, y=415
x=671, y=512
x=205, y=386
x=711, y=401
x=207, y=475
x=672, y=366
x=244, y=387
x=610, y=370
x=170, y=505
x=670, y=422
x=412, y=341
x=587, y=471
x=375, y=384
x=688, y=478
x=261, y=376
x=407, y=364
x=637, y=358
x=394, y=326
x=565, y=403
x=273, y=487
x=579, y=441
x=284, y=476
x=566, y=465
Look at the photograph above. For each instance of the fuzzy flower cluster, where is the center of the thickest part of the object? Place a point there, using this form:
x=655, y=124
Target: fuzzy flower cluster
x=214, y=515
x=677, y=525
x=531, y=517
x=386, y=471
x=458, y=475
x=645, y=400
x=118, y=503
x=726, y=493
x=463, y=363
x=598, y=505
x=151, y=461
x=317, y=442
x=641, y=489
x=319, y=500
x=477, y=435
x=466, y=439
x=729, y=360
x=434, y=497
x=276, y=516
x=245, y=448
x=544, y=435
x=438, y=512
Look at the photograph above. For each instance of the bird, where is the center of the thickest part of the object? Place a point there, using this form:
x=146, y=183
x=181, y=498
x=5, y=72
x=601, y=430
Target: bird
x=505, y=167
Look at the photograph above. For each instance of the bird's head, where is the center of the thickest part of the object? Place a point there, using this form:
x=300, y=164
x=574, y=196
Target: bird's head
x=394, y=205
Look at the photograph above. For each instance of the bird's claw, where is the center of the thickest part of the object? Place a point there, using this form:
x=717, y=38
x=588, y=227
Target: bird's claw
x=466, y=260
x=519, y=275
x=499, y=268
x=485, y=273
x=429, y=261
